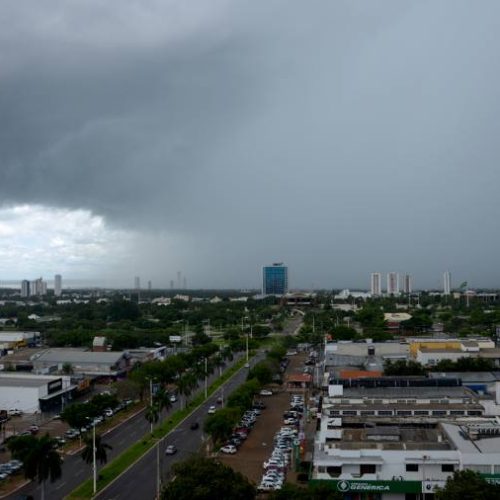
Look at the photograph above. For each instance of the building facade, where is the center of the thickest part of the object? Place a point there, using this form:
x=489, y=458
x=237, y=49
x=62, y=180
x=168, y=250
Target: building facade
x=406, y=283
x=275, y=279
x=376, y=284
x=446, y=283
x=57, y=285
x=392, y=284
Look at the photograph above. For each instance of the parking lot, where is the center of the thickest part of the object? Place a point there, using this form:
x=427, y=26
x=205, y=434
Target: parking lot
x=259, y=445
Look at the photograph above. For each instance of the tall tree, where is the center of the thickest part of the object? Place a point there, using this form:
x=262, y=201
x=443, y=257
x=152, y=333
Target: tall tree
x=200, y=478
x=40, y=459
x=101, y=448
x=467, y=485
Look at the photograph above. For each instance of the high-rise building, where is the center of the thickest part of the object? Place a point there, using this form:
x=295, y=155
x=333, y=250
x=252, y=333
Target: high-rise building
x=376, y=284
x=392, y=284
x=150, y=285
x=38, y=287
x=178, y=280
x=171, y=284
x=137, y=283
x=446, y=283
x=406, y=282
x=25, y=288
x=57, y=285
x=275, y=279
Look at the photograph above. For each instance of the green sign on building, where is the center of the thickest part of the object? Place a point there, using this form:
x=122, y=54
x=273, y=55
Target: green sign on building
x=357, y=486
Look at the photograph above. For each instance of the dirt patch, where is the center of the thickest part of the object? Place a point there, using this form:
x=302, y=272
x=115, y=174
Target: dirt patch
x=259, y=445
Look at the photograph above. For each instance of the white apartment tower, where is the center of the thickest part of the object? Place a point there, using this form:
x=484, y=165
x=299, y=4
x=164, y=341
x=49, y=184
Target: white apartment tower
x=25, y=288
x=57, y=285
x=406, y=282
x=446, y=283
x=376, y=284
x=392, y=284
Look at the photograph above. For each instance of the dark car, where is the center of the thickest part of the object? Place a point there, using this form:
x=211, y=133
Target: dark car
x=194, y=426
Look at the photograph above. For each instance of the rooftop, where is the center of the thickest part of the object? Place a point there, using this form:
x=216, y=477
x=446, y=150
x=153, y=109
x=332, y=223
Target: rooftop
x=406, y=392
x=74, y=356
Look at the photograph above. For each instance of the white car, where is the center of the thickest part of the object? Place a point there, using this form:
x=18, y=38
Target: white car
x=229, y=448
x=211, y=410
x=173, y=398
x=266, y=392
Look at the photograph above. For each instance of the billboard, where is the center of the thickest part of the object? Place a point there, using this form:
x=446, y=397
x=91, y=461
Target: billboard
x=175, y=338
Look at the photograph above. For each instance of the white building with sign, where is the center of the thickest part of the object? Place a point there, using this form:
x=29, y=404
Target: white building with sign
x=33, y=393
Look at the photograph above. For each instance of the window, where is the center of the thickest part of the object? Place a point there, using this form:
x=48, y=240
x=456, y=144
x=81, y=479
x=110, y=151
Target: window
x=334, y=471
x=447, y=468
x=367, y=469
x=334, y=412
x=438, y=413
x=457, y=412
x=350, y=413
x=403, y=413
x=474, y=413
x=385, y=413
x=421, y=412
x=367, y=413
x=411, y=467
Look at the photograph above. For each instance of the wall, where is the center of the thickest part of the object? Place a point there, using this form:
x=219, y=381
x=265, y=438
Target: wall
x=22, y=398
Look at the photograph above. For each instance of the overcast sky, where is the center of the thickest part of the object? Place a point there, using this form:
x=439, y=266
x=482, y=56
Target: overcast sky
x=214, y=137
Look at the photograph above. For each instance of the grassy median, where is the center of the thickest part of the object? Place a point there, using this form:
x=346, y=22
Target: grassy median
x=112, y=470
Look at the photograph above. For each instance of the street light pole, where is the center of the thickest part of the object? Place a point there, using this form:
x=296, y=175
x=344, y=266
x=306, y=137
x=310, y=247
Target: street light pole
x=158, y=479
x=151, y=400
x=206, y=377
x=94, y=462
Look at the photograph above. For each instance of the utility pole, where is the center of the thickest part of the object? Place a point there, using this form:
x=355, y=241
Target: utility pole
x=151, y=400
x=158, y=479
x=94, y=462
x=206, y=377
x=247, y=347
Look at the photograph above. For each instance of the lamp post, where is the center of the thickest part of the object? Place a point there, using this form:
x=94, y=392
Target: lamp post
x=94, y=462
x=206, y=377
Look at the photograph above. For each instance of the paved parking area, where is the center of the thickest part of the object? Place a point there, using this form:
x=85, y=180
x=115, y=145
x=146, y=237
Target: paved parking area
x=259, y=444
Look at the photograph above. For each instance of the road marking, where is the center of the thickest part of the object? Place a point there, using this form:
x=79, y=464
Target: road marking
x=60, y=486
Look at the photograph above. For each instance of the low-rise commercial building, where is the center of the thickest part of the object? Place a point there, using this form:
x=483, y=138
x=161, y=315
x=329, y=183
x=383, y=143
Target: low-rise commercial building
x=403, y=463
x=34, y=393
x=93, y=364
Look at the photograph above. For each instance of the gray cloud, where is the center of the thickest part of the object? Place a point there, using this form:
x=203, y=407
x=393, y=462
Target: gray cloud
x=340, y=137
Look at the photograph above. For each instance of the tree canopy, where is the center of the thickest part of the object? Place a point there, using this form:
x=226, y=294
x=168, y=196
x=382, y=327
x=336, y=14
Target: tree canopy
x=200, y=478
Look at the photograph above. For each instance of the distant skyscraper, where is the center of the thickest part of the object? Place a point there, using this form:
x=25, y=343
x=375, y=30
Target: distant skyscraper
x=178, y=280
x=25, y=288
x=406, y=281
x=184, y=283
x=57, y=285
x=171, y=284
x=376, y=284
x=392, y=284
x=275, y=279
x=150, y=285
x=38, y=287
x=446, y=283
x=137, y=283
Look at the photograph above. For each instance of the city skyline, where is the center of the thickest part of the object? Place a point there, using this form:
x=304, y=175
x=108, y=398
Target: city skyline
x=373, y=147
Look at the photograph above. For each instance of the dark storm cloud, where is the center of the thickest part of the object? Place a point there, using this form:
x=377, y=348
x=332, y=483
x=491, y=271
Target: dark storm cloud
x=342, y=137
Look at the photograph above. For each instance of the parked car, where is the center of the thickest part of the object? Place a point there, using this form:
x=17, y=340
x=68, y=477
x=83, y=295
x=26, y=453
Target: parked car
x=194, y=426
x=266, y=392
x=14, y=412
x=173, y=398
x=170, y=450
x=229, y=448
x=211, y=410
x=108, y=412
x=34, y=429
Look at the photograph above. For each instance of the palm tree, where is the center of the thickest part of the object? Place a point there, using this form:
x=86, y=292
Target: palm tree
x=152, y=414
x=100, y=450
x=39, y=457
x=185, y=386
x=162, y=399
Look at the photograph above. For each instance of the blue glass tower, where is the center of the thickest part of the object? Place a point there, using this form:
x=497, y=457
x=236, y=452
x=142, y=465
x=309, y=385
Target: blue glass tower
x=275, y=279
